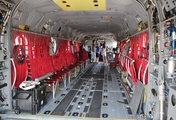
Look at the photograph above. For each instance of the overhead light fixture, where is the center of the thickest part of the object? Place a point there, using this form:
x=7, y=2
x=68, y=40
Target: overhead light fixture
x=112, y=9
x=125, y=20
x=18, y=14
x=138, y=18
x=54, y=23
x=102, y=20
x=106, y=17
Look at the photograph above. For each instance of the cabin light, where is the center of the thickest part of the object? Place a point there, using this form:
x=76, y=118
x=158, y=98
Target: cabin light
x=138, y=18
x=56, y=10
x=102, y=20
x=49, y=21
x=125, y=20
x=106, y=17
x=112, y=9
x=18, y=14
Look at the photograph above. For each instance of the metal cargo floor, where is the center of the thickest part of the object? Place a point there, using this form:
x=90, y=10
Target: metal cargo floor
x=91, y=95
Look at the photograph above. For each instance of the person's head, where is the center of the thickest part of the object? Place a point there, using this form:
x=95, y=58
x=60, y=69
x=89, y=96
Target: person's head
x=95, y=41
x=104, y=46
x=101, y=44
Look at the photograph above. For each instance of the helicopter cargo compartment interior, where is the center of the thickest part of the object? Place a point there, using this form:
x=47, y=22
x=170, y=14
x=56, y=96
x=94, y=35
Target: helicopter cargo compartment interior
x=87, y=60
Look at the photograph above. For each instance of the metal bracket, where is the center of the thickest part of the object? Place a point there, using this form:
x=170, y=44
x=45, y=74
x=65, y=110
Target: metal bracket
x=169, y=4
x=125, y=50
x=2, y=76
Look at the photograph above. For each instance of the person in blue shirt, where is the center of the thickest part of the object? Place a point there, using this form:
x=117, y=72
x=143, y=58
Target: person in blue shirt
x=97, y=52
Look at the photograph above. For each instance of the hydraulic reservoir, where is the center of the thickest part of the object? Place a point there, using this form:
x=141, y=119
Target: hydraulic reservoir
x=171, y=62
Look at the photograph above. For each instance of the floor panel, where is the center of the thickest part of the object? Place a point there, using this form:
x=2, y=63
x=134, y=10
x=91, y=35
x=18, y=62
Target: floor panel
x=95, y=108
x=64, y=103
x=94, y=76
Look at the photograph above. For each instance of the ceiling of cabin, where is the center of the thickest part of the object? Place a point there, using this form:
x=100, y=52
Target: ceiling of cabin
x=71, y=18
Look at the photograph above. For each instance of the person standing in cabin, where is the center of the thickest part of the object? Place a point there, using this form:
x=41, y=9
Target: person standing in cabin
x=97, y=52
x=81, y=51
x=100, y=54
x=93, y=54
x=104, y=53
